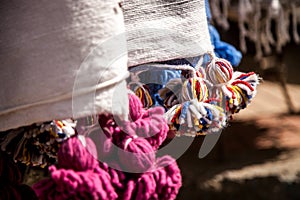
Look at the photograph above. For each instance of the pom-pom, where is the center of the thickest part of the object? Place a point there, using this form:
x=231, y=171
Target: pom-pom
x=145, y=187
x=135, y=107
x=128, y=194
x=77, y=156
x=37, y=144
x=177, y=91
x=194, y=88
x=167, y=177
x=195, y=118
x=148, y=124
x=238, y=88
x=69, y=184
x=219, y=71
x=243, y=88
x=82, y=177
x=136, y=154
x=162, y=183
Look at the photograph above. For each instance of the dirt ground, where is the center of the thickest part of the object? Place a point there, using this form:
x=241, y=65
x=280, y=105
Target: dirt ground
x=256, y=159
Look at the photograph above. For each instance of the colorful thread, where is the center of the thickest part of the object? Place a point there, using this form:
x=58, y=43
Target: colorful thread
x=37, y=144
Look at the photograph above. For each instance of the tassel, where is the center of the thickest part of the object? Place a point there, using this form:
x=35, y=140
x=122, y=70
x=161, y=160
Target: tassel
x=79, y=175
x=195, y=118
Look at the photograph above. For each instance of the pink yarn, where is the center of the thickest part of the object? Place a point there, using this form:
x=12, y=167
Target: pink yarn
x=168, y=178
x=161, y=184
x=67, y=183
x=140, y=138
x=136, y=154
x=105, y=146
x=118, y=178
x=80, y=178
x=145, y=187
x=135, y=107
x=128, y=194
x=108, y=126
x=149, y=124
x=138, y=141
x=73, y=155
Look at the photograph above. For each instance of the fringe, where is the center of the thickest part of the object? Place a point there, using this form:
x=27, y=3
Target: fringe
x=255, y=19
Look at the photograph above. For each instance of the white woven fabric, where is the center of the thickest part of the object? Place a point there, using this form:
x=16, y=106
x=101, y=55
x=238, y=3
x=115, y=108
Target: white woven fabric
x=43, y=45
x=159, y=30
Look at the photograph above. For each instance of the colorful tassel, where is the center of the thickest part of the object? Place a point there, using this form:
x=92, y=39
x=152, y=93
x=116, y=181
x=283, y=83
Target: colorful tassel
x=238, y=88
x=243, y=88
x=193, y=118
x=144, y=96
x=37, y=145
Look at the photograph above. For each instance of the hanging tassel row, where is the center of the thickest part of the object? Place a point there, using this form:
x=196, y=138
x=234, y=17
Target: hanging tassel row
x=37, y=145
x=200, y=102
x=131, y=171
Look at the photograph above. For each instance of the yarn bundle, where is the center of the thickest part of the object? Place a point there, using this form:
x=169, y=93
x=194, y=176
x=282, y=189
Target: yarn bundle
x=243, y=86
x=144, y=95
x=148, y=124
x=79, y=175
x=137, y=140
x=162, y=183
x=134, y=142
x=202, y=99
x=136, y=154
x=195, y=118
x=189, y=111
x=238, y=88
x=144, y=133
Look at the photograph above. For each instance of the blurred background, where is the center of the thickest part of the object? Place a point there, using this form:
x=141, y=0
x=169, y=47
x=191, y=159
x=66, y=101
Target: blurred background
x=258, y=154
